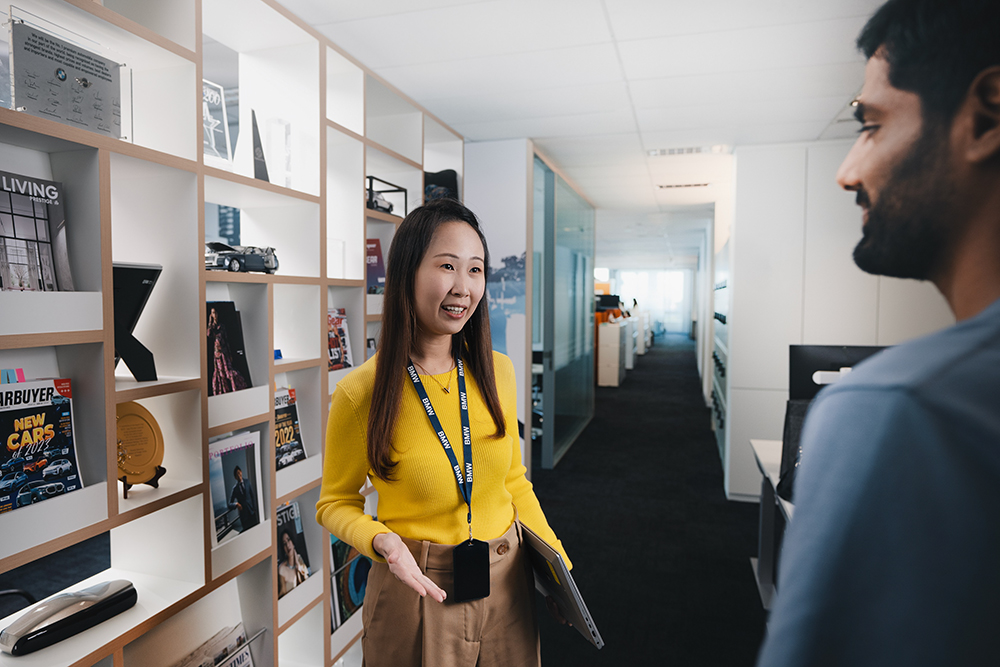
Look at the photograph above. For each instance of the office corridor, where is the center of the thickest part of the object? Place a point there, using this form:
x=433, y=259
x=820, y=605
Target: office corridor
x=660, y=555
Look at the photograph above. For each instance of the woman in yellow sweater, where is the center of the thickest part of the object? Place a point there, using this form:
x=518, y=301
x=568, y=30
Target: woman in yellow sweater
x=430, y=418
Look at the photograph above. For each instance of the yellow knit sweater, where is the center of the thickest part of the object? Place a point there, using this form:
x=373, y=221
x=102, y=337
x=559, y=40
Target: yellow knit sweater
x=424, y=503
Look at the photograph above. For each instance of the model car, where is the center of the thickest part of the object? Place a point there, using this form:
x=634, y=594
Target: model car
x=36, y=465
x=57, y=468
x=243, y=258
x=55, y=451
x=34, y=492
x=378, y=202
x=16, y=463
x=11, y=480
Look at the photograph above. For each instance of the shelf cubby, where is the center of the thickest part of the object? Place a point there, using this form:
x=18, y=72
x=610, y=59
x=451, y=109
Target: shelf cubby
x=154, y=220
x=345, y=93
x=289, y=224
x=301, y=644
x=76, y=167
x=317, y=540
x=162, y=91
x=443, y=149
x=294, y=306
x=306, y=383
x=407, y=175
x=251, y=301
x=278, y=62
x=345, y=207
x=171, y=19
x=392, y=121
x=250, y=543
x=162, y=554
x=179, y=418
x=352, y=300
x=244, y=599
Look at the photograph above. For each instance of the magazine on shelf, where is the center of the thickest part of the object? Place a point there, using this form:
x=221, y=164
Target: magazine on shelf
x=228, y=369
x=38, y=460
x=293, y=559
x=339, y=340
x=228, y=647
x=234, y=479
x=288, y=447
x=350, y=576
x=33, y=250
x=375, y=267
x=371, y=347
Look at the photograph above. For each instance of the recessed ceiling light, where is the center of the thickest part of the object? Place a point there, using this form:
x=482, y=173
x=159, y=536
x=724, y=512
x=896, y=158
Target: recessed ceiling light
x=717, y=149
x=683, y=185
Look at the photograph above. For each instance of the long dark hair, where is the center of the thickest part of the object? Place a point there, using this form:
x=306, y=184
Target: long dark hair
x=399, y=328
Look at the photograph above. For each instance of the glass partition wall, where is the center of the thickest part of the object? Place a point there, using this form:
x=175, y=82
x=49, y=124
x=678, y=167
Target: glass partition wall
x=563, y=315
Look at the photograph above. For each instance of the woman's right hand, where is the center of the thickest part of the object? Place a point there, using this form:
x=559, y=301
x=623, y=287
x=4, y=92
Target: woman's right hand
x=404, y=567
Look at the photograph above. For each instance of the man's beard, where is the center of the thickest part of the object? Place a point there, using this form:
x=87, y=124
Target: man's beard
x=910, y=232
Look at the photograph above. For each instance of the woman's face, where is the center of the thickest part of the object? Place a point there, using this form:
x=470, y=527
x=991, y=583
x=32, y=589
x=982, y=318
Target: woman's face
x=450, y=280
x=289, y=546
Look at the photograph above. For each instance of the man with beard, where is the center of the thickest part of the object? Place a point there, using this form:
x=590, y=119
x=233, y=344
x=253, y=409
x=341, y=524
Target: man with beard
x=893, y=555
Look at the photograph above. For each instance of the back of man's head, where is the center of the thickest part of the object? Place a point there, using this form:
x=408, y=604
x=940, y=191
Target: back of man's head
x=935, y=48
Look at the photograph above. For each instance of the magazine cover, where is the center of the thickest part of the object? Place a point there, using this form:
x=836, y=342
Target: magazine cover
x=288, y=447
x=227, y=647
x=293, y=560
x=339, y=339
x=375, y=268
x=371, y=347
x=234, y=479
x=33, y=254
x=227, y=358
x=38, y=459
x=350, y=576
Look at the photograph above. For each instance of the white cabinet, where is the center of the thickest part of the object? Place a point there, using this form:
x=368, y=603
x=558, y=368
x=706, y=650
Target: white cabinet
x=611, y=341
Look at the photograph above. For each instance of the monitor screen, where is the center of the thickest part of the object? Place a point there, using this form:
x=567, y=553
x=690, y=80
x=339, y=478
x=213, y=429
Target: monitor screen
x=132, y=286
x=607, y=301
x=805, y=360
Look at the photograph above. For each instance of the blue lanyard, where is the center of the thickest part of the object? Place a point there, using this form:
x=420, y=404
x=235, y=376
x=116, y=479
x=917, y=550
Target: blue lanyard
x=464, y=481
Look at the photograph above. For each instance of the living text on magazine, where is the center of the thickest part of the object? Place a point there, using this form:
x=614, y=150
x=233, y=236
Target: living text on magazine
x=38, y=458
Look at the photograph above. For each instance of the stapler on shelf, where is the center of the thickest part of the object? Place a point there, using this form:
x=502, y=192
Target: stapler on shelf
x=65, y=615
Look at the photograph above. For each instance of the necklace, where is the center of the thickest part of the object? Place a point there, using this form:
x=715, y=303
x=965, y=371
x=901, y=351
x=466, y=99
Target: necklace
x=445, y=389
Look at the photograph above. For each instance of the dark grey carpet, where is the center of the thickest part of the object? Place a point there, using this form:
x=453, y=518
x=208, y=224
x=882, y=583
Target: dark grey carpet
x=660, y=555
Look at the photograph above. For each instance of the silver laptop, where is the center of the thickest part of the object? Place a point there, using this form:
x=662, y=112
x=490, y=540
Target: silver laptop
x=552, y=578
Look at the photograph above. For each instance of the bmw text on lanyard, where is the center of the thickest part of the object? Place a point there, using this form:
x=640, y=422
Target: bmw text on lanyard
x=471, y=574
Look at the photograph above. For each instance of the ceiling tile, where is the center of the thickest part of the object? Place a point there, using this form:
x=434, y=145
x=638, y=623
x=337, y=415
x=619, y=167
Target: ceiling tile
x=722, y=88
x=550, y=126
x=706, y=136
x=804, y=44
x=561, y=101
x=435, y=38
x=574, y=66
x=592, y=150
x=740, y=112
x=781, y=133
x=641, y=19
x=320, y=12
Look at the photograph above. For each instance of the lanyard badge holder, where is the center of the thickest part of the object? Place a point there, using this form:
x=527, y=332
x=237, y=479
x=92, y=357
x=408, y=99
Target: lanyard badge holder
x=471, y=558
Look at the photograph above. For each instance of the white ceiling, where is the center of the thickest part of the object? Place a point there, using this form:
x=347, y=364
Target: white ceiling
x=598, y=83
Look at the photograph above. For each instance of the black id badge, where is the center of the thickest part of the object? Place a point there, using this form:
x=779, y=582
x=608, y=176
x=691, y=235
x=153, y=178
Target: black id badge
x=472, y=571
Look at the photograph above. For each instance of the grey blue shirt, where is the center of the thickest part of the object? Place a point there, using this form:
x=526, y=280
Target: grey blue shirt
x=893, y=553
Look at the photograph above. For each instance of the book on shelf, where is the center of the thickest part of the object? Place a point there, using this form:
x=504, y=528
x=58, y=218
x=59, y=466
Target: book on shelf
x=38, y=460
x=288, y=447
x=228, y=369
x=234, y=480
x=227, y=648
x=293, y=559
x=33, y=249
x=338, y=340
x=349, y=577
x=374, y=266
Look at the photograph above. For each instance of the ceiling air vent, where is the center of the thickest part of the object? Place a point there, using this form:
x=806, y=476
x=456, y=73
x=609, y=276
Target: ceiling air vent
x=718, y=149
x=683, y=185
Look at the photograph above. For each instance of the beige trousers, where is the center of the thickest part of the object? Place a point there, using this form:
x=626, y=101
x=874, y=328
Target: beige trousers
x=401, y=629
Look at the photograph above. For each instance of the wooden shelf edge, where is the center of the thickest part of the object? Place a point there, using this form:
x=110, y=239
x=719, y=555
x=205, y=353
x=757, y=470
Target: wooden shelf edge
x=334, y=125
x=293, y=366
x=383, y=216
x=162, y=503
x=57, y=544
x=175, y=387
x=246, y=422
x=18, y=341
x=302, y=612
x=224, y=175
x=218, y=276
x=345, y=282
x=292, y=495
x=229, y=575
x=347, y=647
x=137, y=29
x=371, y=143
x=373, y=318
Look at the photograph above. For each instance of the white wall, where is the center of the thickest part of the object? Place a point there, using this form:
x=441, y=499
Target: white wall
x=793, y=281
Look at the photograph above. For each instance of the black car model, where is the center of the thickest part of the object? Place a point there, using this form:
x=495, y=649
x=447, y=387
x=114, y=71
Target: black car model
x=243, y=258
x=34, y=492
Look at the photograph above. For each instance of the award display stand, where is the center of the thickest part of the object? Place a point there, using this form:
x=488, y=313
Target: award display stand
x=135, y=196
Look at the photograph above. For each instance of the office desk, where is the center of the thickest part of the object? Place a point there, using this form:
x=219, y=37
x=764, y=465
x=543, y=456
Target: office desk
x=774, y=514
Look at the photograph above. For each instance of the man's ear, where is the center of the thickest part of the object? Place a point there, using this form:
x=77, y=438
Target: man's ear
x=983, y=107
